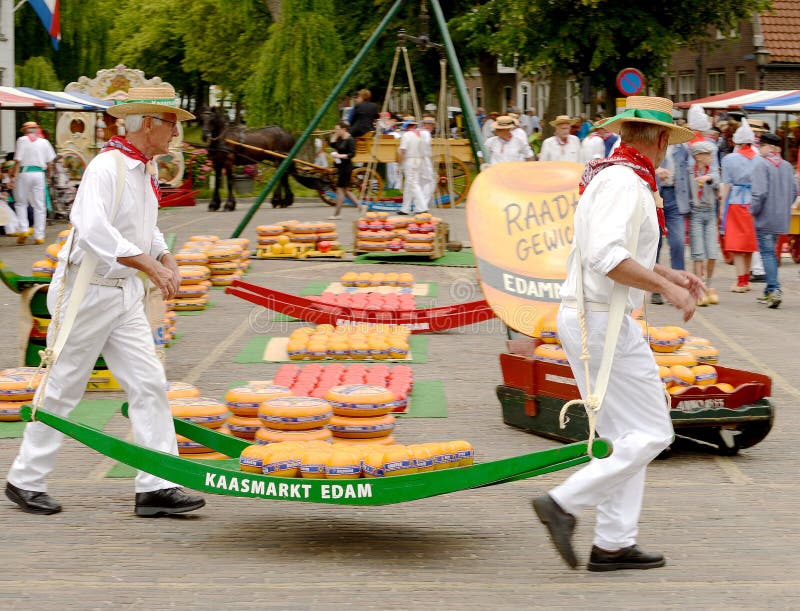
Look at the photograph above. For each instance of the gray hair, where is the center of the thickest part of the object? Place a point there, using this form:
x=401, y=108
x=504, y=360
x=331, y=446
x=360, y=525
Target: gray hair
x=644, y=133
x=134, y=122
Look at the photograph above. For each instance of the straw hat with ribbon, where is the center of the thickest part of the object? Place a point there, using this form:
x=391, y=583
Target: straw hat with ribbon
x=646, y=109
x=147, y=100
x=29, y=125
x=561, y=120
x=504, y=122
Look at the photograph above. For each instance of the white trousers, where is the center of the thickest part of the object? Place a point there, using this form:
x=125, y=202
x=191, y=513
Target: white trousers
x=634, y=416
x=414, y=196
x=29, y=190
x=112, y=321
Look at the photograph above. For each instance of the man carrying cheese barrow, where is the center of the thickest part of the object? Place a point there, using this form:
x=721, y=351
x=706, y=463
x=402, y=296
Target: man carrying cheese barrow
x=114, y=236
x=616, y=237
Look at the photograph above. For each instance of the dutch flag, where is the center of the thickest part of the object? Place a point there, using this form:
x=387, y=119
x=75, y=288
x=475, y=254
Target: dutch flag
x=48, y=12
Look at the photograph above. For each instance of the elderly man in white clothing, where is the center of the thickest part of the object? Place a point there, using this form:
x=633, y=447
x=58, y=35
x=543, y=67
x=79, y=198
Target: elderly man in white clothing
x=117, y=227
x=34, y=159
x=617, y=203
x=411, y=156
x=429, y=177
x=504, y=146
x=562, y=146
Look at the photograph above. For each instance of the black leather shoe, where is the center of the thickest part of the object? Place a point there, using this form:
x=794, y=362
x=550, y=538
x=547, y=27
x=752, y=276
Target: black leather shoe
x=626, y=558
x=758, y=277
x=166, y=502
x=656, y=299
x=560, y=524
x=31, y=501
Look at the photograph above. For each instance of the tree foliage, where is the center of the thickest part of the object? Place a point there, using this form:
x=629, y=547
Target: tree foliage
x=297, y=67
x=37, y=72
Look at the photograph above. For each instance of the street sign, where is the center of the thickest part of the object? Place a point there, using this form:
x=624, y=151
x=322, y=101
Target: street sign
x=630, y=81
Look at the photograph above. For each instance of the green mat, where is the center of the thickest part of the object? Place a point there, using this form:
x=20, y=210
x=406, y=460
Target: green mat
x=93, y=412
x=426, y=401
x=253, y=352
x=463, y=258
x=209, y=305
x=317, y=287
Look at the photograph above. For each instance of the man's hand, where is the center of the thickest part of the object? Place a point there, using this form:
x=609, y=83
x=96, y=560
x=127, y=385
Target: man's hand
x=682, y=299
x=688, y=281
x=170, y=263
x=164, y=278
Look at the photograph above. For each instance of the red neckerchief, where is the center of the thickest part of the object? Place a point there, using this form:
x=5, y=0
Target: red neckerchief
x=630, y=158
x=32, y=137
x=126, y=148
x=774, y=158
x=746, y=150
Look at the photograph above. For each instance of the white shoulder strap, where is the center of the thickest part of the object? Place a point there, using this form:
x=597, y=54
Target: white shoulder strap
x=79, y=287
x=619, y=297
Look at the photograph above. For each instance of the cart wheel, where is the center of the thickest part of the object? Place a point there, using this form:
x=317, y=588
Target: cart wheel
x=728, y=443
x=461, y=181
x=329, y=197
x=374, y=183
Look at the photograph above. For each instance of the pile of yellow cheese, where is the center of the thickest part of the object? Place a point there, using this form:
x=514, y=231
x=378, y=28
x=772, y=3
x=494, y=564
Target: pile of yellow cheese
x=186, y=403
x=17, y=387
x=290, y=238
x=377, y=279
x=320, y=460
x=45, y=268
x=377, y=231
x=358, y=341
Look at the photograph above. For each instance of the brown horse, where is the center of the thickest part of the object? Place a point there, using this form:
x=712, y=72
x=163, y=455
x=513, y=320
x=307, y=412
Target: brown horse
x=225, y=154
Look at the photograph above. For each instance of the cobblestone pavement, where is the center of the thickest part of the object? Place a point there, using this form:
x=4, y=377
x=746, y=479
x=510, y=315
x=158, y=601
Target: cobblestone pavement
x=728, y=526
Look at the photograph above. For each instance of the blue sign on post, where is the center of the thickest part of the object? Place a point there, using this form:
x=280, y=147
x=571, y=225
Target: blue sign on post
x=630, y=81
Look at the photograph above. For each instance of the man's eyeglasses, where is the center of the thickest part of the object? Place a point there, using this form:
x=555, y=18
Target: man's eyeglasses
x=172, y=123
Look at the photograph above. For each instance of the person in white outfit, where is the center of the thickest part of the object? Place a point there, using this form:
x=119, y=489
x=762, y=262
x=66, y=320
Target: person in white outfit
x=34, y=157
x=117, y=227
x=617, y=202
x=504, y=146
x=563, y=146
x=411, y=157
x=599, y=144
x=429, y=176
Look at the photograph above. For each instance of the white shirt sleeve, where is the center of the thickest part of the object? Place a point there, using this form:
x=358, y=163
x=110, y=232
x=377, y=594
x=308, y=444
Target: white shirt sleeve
x=91, y=214
x=159, y=243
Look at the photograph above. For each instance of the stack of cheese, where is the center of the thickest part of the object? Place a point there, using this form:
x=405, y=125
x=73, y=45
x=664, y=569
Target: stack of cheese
x=17, y=387
x=224, y=262
x=289, y=238
x=352, y=341
x=550, y=350
x=292, y=418
x=45, y=268
x=193, y=263
x=361, y=414
x=368, y=280
x=674, y=346
x=188, y=405
x=244, y=402
x=319, y=460
x=377, y=231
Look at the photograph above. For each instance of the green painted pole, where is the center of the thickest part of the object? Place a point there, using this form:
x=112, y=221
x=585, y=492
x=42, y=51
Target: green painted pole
x=318, y=117
x=461, y=87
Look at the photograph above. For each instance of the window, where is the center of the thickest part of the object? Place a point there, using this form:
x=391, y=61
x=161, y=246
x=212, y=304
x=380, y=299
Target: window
x=671, y=86
x=686, y=87
x=741, y=79
x=716, y=83
x=542, y=98
x=507, y=98
x=524, y=96
x=573, y=98
x=478, y=97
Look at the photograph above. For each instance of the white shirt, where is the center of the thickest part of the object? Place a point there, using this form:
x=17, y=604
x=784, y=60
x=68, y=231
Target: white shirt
x=38, y=152
x=603, y=228
x=132, y=232
x=411, y=143
x=592, y=147
x=500, y=150
x=554, y=150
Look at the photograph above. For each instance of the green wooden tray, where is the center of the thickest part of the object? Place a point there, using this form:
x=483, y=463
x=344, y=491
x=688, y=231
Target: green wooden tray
x=225, y=477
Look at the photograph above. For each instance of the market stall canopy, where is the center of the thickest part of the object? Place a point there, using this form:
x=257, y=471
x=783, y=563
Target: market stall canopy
x=739, y=98
x=27, y=98
x=787, y=103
